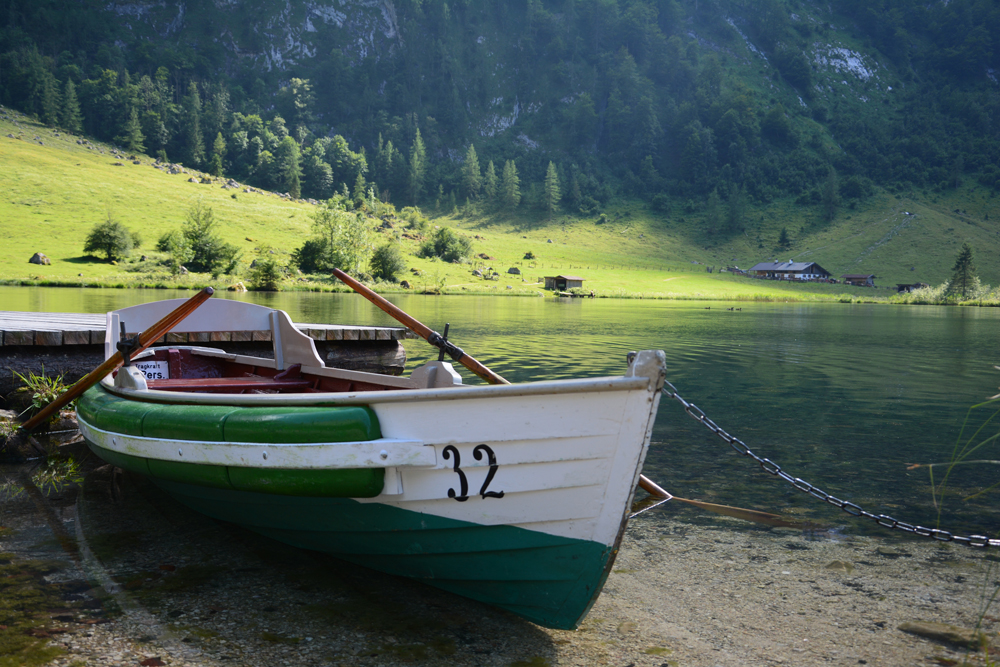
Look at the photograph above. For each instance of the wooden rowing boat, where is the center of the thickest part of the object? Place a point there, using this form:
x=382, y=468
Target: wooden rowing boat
x=515, y=495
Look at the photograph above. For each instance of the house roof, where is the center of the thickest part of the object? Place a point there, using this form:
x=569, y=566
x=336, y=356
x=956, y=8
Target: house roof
x=786, y=266
x=567, y=277
x=849, y=276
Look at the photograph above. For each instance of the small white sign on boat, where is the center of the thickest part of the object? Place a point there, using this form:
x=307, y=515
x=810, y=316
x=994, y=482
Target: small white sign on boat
x=154, y=370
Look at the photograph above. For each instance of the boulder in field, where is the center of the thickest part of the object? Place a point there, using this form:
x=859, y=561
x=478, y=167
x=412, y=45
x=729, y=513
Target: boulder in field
x=39, y=258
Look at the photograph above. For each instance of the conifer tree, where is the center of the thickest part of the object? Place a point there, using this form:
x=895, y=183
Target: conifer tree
x=286, y=163
x=490, y=184
x=575, y=195
x=218, y=154
x=69, y=115
x=50, y=103
x=131, y=136
x=964, y=278
x=360, y=190
x=194, y=145
x=471, y=175
x=510, y=187
x=552, y=192
x=418, y=168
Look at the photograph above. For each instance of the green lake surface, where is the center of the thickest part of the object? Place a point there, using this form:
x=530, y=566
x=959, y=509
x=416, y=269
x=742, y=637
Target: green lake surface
x=847, y=397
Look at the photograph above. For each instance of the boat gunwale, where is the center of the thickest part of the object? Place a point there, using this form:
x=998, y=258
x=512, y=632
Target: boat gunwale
x=399, y=452
x=369, y=398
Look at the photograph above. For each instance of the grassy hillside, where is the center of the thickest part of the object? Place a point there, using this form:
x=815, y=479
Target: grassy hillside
x=56, y=189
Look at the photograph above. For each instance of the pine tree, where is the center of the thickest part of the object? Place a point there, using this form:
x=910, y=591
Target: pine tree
x=510, y=187
x=575, y=195
x=471, y=174
x=69, y=115
x=552, y=193
x=194, y=144
x=964, y=277
x=131, y=136
x=50, y=103
x=287, y=169
x=490, y=184
x=360, y=190
x=783, y=240
x=418, y=168
x=218, y=154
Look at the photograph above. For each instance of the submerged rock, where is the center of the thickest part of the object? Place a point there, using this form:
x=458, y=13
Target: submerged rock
x=944, y=633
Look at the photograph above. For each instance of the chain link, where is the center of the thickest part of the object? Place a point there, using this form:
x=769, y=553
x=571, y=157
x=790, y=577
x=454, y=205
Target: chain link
x=773, y=468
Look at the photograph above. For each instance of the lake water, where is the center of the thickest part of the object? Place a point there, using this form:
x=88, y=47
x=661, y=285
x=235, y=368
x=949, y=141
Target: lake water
x=845, y=396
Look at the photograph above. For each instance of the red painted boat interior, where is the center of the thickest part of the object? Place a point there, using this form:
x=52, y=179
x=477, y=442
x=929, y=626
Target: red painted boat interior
x=190, y=371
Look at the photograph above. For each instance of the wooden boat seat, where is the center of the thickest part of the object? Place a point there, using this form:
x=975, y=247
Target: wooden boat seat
x=288, y=380
x=229, y=385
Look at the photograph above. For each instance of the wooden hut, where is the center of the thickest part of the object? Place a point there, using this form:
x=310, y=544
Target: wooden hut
x=859, y=279
x=563, y=283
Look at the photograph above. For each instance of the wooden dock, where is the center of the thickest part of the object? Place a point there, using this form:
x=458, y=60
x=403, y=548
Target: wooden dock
x=72, y=344
x=55, y=329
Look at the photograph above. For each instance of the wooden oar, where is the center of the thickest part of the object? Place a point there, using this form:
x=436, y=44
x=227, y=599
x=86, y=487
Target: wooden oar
x=485, y=373
x=425, y=332
x=653, y=489
x=146, y=338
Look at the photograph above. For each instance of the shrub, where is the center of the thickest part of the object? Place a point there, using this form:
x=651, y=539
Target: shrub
x=347, y=237
x=176, y=245
x=265, y=274
x=111, y=238
x=387, y=262
x=446, y=245
x=415, y=220
x=311, y=257
x=210, y=253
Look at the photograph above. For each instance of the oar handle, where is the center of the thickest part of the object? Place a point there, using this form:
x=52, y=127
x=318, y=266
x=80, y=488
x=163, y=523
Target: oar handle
x=146, y=338
x=653, y=489
x=425, y=332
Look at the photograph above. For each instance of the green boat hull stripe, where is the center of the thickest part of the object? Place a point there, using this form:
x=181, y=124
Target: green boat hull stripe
x=547, y=579
x=336, y=483
x=221, y=423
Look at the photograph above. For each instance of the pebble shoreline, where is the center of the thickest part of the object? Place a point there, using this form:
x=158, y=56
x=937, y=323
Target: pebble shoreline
x=181, y=589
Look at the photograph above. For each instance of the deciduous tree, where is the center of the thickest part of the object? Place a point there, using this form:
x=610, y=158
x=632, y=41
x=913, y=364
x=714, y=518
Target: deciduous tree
x=111, y=238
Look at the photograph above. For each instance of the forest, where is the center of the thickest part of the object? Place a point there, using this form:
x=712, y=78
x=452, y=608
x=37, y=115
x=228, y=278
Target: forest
x=714, y=104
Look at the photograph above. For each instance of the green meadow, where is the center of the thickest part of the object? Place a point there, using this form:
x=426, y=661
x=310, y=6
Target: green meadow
x=55, y=189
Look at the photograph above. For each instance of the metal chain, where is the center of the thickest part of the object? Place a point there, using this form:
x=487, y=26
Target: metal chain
x=884, y=520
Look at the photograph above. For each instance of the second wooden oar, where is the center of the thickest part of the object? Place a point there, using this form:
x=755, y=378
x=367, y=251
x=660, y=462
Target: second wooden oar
x=653, y=489
x=425, y=332
x=146, y=338
x=435, y=338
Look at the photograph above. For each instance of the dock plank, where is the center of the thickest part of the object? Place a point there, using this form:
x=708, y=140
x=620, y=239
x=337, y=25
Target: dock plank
x=54, y=329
